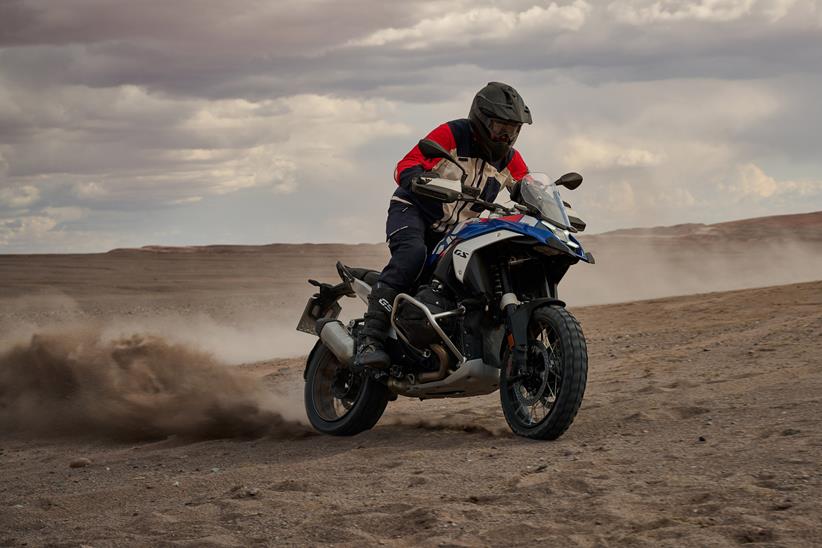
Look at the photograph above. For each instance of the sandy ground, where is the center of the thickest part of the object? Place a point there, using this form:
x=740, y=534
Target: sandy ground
x=700, y=424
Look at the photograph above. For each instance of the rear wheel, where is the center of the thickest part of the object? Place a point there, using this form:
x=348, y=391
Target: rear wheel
x=541, y=400
x=337, y=400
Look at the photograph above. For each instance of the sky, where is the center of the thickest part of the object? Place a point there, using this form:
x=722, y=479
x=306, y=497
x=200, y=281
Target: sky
x=194, y=122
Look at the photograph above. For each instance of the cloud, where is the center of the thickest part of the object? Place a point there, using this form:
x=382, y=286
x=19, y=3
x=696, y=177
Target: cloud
x=621, y=197
x=45, y=225
x=25, y=228
x=155, y=119
x=589, y=153
x=175, y=148
x=751, y=182
x=644, y=12
x=19, y=197
x=480, y=24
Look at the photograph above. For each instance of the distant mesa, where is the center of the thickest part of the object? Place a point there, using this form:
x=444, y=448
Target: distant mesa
x=801, y=226
x=237, y=248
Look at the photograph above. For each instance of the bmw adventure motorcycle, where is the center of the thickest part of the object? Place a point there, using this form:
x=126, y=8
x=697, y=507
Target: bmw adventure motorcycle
x=485, y=316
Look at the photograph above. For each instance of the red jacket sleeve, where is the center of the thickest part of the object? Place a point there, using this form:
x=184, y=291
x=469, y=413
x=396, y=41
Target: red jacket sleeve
x=516, y=167
x=415, y=159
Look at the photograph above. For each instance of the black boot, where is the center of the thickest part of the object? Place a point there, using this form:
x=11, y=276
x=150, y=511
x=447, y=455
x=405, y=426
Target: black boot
x=371, y=351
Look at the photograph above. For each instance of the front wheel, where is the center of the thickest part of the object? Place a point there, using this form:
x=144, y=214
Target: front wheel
x=337, y=400
x=541, y=401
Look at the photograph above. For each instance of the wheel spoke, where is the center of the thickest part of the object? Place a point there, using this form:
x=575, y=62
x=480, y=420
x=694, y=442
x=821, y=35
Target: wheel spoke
x=536, y=388
x=335, y=390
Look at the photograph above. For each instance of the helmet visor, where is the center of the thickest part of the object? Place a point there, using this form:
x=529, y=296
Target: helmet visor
x=502, y=131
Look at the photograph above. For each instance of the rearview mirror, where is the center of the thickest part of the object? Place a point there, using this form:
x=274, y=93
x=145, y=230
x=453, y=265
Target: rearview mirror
x=569, y=180
x=432, y=149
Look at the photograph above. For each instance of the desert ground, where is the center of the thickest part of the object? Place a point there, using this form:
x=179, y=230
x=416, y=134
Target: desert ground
x=153, y=397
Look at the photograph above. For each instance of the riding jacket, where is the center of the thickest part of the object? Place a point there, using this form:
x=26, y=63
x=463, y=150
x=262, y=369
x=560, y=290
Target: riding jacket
x=457, y=138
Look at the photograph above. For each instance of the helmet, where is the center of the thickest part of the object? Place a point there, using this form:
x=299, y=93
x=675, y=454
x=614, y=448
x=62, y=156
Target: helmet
x=496, y=115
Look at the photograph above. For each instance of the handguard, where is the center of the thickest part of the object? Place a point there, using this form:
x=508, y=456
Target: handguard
x=442, y=190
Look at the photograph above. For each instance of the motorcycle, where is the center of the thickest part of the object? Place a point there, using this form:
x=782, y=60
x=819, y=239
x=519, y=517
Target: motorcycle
x=485, y=316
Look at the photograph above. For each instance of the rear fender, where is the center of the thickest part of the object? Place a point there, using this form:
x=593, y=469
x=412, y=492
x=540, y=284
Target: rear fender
x=317, y=345
x=323, y=305
x=318, y=308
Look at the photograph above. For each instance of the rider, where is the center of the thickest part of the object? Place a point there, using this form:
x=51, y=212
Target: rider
x=483, y=145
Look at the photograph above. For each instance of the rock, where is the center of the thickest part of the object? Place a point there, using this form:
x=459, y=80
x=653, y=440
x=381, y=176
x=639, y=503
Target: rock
x=702, y=438
x=416, y=480
x=80, y=463
x=790, y=432
x=245, y=492
x=45, y=503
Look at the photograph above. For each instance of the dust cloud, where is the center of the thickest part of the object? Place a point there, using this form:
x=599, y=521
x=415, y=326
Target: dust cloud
x=630, y=269
x=85, y=382
x=250, y=337
x=249, y=340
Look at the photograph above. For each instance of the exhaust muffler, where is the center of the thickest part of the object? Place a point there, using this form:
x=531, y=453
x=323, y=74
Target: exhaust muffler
x=338, y=340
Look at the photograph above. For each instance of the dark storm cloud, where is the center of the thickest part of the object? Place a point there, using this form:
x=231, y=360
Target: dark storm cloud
x=260, y=50
x=195, y=26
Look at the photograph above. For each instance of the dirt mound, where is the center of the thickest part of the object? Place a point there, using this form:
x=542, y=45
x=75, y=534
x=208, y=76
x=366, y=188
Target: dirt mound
x=138, y=387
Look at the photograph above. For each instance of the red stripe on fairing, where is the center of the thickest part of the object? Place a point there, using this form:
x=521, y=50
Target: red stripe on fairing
x=441, y=135
x=516, y=167
x=511, y=218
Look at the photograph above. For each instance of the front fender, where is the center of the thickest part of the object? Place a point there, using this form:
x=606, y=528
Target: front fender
x=518, y=323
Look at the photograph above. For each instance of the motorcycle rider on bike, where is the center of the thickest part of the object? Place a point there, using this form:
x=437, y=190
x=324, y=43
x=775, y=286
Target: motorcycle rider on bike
x=483, y=145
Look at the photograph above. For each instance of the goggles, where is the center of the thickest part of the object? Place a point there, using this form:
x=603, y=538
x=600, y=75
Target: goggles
x=502, y=131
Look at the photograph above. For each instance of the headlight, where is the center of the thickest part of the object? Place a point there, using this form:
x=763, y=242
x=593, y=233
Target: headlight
x=558, y=232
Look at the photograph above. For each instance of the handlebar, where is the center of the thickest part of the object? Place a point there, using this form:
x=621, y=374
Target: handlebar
x=470, y=196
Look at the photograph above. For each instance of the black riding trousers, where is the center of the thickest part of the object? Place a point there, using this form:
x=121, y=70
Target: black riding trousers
x=410, y=240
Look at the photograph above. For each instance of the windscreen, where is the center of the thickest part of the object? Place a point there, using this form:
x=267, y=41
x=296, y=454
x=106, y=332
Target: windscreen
x=540, y=193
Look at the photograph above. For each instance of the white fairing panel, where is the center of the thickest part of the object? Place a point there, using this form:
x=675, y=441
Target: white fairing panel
x=463, y=251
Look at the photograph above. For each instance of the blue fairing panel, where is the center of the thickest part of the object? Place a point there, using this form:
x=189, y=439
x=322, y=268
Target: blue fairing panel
x=478, y=227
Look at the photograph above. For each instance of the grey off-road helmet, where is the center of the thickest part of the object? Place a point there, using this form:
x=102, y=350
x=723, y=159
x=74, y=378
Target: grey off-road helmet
x=496, y=115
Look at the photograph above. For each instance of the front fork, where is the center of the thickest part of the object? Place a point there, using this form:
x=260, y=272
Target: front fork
x=516, y=324
x=517, y=315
